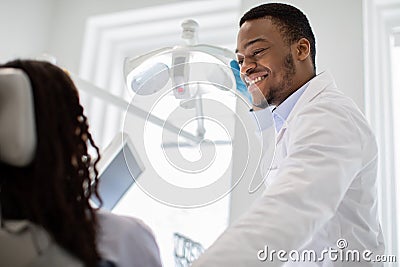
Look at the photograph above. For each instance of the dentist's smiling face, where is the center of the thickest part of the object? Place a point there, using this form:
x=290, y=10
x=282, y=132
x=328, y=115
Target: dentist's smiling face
x=266, y=60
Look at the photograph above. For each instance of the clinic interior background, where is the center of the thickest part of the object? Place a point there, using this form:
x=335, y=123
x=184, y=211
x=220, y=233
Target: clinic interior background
x=358, y=41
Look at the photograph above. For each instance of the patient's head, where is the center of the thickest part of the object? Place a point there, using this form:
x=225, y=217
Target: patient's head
x=54, y=190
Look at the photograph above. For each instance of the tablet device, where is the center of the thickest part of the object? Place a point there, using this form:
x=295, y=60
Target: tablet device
x=119, y=167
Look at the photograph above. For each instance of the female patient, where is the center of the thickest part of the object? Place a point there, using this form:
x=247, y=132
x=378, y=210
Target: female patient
x=53, y=191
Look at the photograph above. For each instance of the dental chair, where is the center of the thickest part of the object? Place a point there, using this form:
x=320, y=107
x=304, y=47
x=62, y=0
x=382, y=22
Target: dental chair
x=23, y=243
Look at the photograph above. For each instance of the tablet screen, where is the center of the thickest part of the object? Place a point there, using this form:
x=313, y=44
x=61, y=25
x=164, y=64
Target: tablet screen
x=119, y=167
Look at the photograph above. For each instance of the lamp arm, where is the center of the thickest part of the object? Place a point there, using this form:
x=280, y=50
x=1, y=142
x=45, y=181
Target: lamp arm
x=123, y=105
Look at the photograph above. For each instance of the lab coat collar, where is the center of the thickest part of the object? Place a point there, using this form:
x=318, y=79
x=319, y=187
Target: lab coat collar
x=315, y=87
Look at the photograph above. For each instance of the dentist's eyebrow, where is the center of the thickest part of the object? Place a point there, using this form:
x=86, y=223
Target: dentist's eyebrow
x=251, y=42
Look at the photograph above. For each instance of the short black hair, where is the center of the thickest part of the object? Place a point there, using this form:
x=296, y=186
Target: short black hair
x=291, y=21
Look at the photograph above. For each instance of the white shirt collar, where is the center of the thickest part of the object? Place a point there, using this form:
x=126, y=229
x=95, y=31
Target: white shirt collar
x=281, y=112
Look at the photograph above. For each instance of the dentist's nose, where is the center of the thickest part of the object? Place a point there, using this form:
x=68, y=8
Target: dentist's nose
x=247, y=66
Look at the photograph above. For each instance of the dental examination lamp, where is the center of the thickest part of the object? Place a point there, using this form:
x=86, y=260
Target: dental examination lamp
x=185, y=71
x=148, y=73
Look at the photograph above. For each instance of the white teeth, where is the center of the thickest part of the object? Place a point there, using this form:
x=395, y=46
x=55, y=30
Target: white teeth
x=256, y=80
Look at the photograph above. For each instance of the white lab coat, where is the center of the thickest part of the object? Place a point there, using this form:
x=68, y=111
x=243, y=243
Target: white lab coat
x=127, y=241
x=321, y=187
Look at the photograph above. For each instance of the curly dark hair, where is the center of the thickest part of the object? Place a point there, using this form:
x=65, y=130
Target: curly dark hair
x=54, y=190
x=292, y=23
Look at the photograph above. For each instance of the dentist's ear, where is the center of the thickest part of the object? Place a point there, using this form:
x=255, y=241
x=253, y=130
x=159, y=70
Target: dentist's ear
x=302, y=49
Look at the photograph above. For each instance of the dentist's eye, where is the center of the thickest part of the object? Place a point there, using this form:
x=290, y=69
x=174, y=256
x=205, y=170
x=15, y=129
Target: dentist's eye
x=258, y=51
x=239, y=60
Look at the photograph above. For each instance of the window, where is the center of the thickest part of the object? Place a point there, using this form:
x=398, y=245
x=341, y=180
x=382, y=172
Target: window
x=109, y=39
x=381, y=20
x=395, y=66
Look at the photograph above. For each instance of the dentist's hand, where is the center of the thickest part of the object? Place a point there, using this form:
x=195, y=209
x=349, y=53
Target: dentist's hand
x=240, y=85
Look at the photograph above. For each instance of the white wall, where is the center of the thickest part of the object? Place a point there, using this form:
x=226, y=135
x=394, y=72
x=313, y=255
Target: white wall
x=338, y=30
x=30, y=28
x=69, y=22
x=24, y=28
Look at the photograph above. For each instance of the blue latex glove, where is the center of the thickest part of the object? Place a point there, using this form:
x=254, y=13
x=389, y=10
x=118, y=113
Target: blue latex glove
x=240, y=85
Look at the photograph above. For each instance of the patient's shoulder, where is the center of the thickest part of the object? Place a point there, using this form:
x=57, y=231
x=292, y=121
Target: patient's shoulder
x=126, y=240
x=107, y=218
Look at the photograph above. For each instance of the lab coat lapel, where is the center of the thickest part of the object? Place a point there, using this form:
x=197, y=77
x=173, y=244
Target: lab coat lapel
x=317, y=85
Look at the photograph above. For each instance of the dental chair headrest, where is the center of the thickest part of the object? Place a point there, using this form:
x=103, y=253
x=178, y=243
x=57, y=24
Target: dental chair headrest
x=17, y=118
